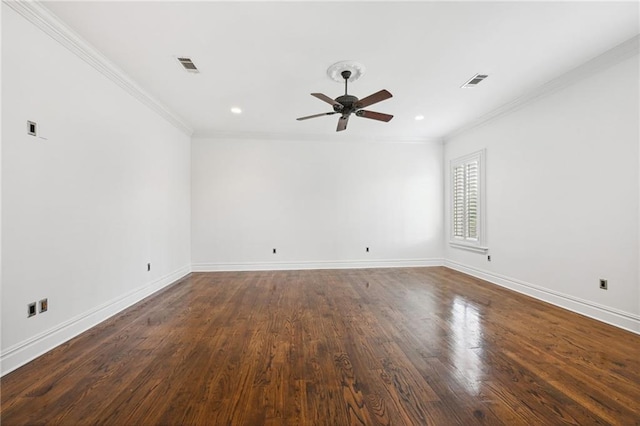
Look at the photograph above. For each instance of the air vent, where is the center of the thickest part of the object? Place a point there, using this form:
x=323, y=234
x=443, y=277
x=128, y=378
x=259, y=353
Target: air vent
x=474, y=81
x=188, y=64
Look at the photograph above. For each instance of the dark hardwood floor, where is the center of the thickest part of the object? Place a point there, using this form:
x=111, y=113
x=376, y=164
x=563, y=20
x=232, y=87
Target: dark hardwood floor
x=384, y=346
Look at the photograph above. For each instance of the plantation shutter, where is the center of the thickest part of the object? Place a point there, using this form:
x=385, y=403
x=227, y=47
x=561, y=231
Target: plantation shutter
x=466, y=203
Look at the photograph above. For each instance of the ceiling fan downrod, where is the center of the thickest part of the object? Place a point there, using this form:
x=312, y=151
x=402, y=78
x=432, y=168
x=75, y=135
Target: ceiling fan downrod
x=346, y=74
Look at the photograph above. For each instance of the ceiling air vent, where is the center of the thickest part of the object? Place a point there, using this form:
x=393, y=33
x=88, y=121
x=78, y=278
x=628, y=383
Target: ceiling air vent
x=188, y=64
x=474, y=81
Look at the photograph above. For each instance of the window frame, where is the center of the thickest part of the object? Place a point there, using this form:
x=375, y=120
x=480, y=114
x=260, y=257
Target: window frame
x=464, y=242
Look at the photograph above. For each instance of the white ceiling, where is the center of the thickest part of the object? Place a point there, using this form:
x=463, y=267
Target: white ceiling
x=267, y=57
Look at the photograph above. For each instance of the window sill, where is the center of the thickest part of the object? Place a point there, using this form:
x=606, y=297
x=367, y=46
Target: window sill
x=469, y=247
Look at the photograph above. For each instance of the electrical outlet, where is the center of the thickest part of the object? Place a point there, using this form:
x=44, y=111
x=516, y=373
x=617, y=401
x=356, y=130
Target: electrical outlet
x=31, y=309
x=148, y=267
x=367, y=249
x=603, y=284
x=44, y=305
x=32, y=128
x=488, y=258
x=274, y=251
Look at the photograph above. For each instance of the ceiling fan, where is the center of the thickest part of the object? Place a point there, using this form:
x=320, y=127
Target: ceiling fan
x=348, y=104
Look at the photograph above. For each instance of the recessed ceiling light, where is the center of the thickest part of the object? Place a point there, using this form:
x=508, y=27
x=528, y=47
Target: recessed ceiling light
x=236, y=110
x=419, y=117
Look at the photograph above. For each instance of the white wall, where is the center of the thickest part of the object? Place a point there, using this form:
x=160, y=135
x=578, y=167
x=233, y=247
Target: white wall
x=85, y=209
x=319, y=203
x=107, y=189
x=562, y=196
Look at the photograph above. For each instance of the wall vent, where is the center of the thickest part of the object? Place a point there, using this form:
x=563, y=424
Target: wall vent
x=188, y=64
x=474, y=81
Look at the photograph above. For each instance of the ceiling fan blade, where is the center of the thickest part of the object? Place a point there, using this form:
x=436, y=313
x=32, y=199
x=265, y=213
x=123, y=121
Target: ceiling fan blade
x=342, y=123
x=327, y=99
x=372, y=99
x=374, y=115
x=315, y=115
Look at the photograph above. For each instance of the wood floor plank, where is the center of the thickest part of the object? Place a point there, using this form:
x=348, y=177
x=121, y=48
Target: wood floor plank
x=334, y=347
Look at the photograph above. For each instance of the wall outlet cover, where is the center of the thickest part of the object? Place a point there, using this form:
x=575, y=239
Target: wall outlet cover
x=32, y=128
x=31, y=309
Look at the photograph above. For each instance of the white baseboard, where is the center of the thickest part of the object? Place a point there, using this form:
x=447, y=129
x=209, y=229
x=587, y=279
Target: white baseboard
x=289, y=266
x=612, y=316
x=23, y=352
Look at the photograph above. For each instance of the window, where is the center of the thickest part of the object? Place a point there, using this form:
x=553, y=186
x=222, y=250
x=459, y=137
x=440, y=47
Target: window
x=467, y=202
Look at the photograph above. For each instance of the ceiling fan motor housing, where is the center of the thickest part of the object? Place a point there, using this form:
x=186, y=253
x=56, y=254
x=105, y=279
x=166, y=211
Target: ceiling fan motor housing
x=348, y=104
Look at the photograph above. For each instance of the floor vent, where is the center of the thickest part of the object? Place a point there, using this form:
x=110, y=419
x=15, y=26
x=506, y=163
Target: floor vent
x=474, y=81
x=188, y=64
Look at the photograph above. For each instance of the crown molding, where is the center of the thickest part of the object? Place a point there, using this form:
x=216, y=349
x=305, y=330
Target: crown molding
x=611, y=57
x=41, y=17
x=304, y=137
